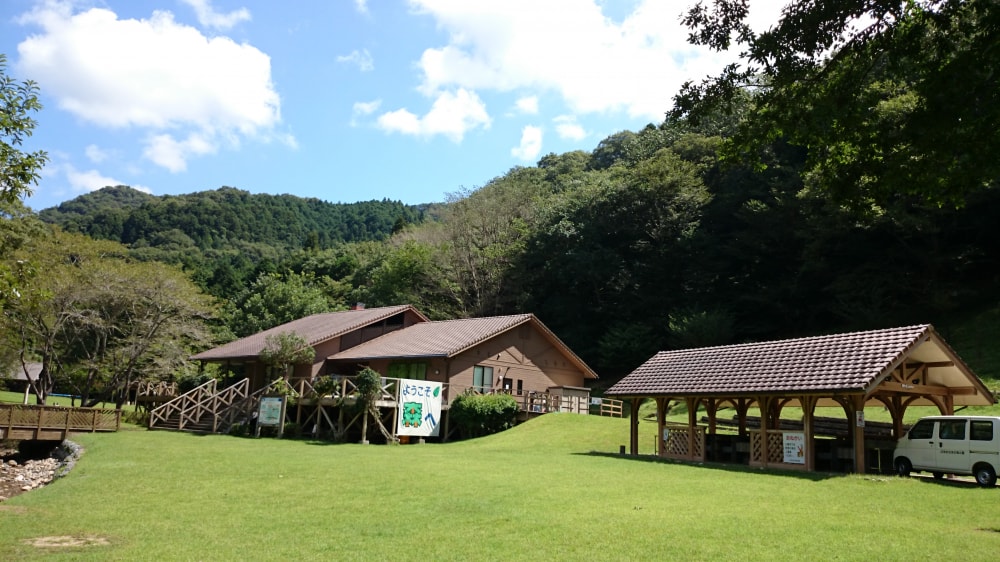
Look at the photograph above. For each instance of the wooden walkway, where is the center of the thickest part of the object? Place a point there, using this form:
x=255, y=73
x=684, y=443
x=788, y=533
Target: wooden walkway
x=20, y=421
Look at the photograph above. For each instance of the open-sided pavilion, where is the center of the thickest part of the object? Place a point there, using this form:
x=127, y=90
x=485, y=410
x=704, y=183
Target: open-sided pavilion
x=892, y=368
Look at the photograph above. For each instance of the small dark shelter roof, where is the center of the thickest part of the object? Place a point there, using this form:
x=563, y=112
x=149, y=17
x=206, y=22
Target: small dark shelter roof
x=314, y=329
x=833, y=364
x=449, y=338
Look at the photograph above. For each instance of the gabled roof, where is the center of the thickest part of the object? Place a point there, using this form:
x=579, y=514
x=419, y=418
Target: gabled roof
x=314, y=329
x=449, y=338
x=840, y=363
x=17, y=372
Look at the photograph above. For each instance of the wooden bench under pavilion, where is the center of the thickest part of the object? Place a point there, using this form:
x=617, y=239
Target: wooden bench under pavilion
x=892, y=368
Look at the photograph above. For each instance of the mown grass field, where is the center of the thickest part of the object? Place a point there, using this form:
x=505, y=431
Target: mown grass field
x=553, y=488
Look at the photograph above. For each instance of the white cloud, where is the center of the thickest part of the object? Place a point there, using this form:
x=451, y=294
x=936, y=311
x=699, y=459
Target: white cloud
x=635, y=65
x=208, y=17
x=363, y=60
x=96, y=154
x=153, y=74
x=92, y=180
x=568, y=128
x=451, y=115
x=527, y=104
x=165, y=151
x=366, y=107
x=361, y=6
x=531, y=144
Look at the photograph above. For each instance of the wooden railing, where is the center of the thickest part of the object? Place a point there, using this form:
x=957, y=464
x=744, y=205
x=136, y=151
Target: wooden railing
x=775, y=450
x=20, y=421
x=199, y=406
x=532, y=402
x=187, y=408
x=241, y=409
x=681, y=444
x=611, y=407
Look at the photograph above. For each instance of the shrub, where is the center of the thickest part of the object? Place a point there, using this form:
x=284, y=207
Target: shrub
x=477, y=415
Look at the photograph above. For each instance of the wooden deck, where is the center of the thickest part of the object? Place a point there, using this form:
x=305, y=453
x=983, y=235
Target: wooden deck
x=20, y=421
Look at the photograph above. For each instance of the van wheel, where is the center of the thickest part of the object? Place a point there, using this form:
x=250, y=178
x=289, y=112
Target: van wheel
x=903, y=466
x=938, y=475
x=986, y=476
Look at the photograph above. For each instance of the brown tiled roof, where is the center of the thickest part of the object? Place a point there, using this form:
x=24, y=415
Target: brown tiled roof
x=449, y=338
x=839, y=362
x=434, y=339
x=314, y=329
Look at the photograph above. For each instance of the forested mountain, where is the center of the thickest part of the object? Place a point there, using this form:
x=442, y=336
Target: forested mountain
x=799, y=206
x=217, y=219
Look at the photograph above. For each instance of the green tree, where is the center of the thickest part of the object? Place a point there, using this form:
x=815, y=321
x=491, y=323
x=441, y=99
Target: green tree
x=99, y=319
x=368, y=384
x=275, y=299
x=284, y=350
x=19, y=170
x=889, y=98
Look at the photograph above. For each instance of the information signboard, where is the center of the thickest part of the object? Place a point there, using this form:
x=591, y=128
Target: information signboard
x=795, y=447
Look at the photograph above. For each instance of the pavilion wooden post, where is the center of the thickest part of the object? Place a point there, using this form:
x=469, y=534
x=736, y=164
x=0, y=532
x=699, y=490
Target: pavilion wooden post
x=633, y=423
x=711, y=408
x=857, y=403
x=742, y=405
x=661, y=416
x=692, y=406
x=764, y=403
x=808, y=409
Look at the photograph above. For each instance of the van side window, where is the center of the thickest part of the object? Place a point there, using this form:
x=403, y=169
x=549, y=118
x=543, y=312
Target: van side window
x=923, y=430
x=952, y=429
x=982, y=430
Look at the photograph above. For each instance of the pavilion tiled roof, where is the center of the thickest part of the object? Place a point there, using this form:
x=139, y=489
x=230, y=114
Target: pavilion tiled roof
x=449, y=338
x=839, y=362
x=314, y=329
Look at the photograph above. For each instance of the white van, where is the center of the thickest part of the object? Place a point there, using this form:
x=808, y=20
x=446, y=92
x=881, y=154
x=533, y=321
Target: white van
x=951, y=445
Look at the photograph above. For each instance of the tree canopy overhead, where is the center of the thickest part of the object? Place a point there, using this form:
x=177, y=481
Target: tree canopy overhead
x=891, y=98
x=18, y=169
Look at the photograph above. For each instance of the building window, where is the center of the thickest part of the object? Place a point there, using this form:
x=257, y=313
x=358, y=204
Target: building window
x=417, y=371
x=482, y=378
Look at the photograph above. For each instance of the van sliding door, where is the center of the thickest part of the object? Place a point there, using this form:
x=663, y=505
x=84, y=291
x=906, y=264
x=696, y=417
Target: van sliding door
x=953, y=446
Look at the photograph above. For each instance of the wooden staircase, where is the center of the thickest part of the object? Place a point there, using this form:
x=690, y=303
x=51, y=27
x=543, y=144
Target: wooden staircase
x=203, y=409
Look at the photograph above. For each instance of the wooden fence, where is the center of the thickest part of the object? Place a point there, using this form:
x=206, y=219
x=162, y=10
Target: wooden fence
x=21, y=421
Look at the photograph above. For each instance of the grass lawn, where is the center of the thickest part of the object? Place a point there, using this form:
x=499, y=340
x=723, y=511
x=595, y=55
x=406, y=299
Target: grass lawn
x=553, y=488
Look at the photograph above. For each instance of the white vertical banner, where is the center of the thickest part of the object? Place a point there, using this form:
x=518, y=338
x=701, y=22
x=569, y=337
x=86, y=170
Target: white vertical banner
x=419, y=408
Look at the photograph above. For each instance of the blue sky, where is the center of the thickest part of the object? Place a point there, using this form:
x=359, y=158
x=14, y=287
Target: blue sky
x=342, y=100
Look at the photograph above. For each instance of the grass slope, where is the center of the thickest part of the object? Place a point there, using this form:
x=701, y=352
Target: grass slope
x=549, y=489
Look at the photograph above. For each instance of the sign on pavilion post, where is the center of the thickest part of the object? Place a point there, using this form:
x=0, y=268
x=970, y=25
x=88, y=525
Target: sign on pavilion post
x=795, y=447
x=420, y=408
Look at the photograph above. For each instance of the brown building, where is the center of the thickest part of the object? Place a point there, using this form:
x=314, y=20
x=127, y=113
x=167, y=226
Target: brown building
x=516, y=355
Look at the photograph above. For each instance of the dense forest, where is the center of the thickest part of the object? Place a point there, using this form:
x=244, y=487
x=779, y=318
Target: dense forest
x=796, y=195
